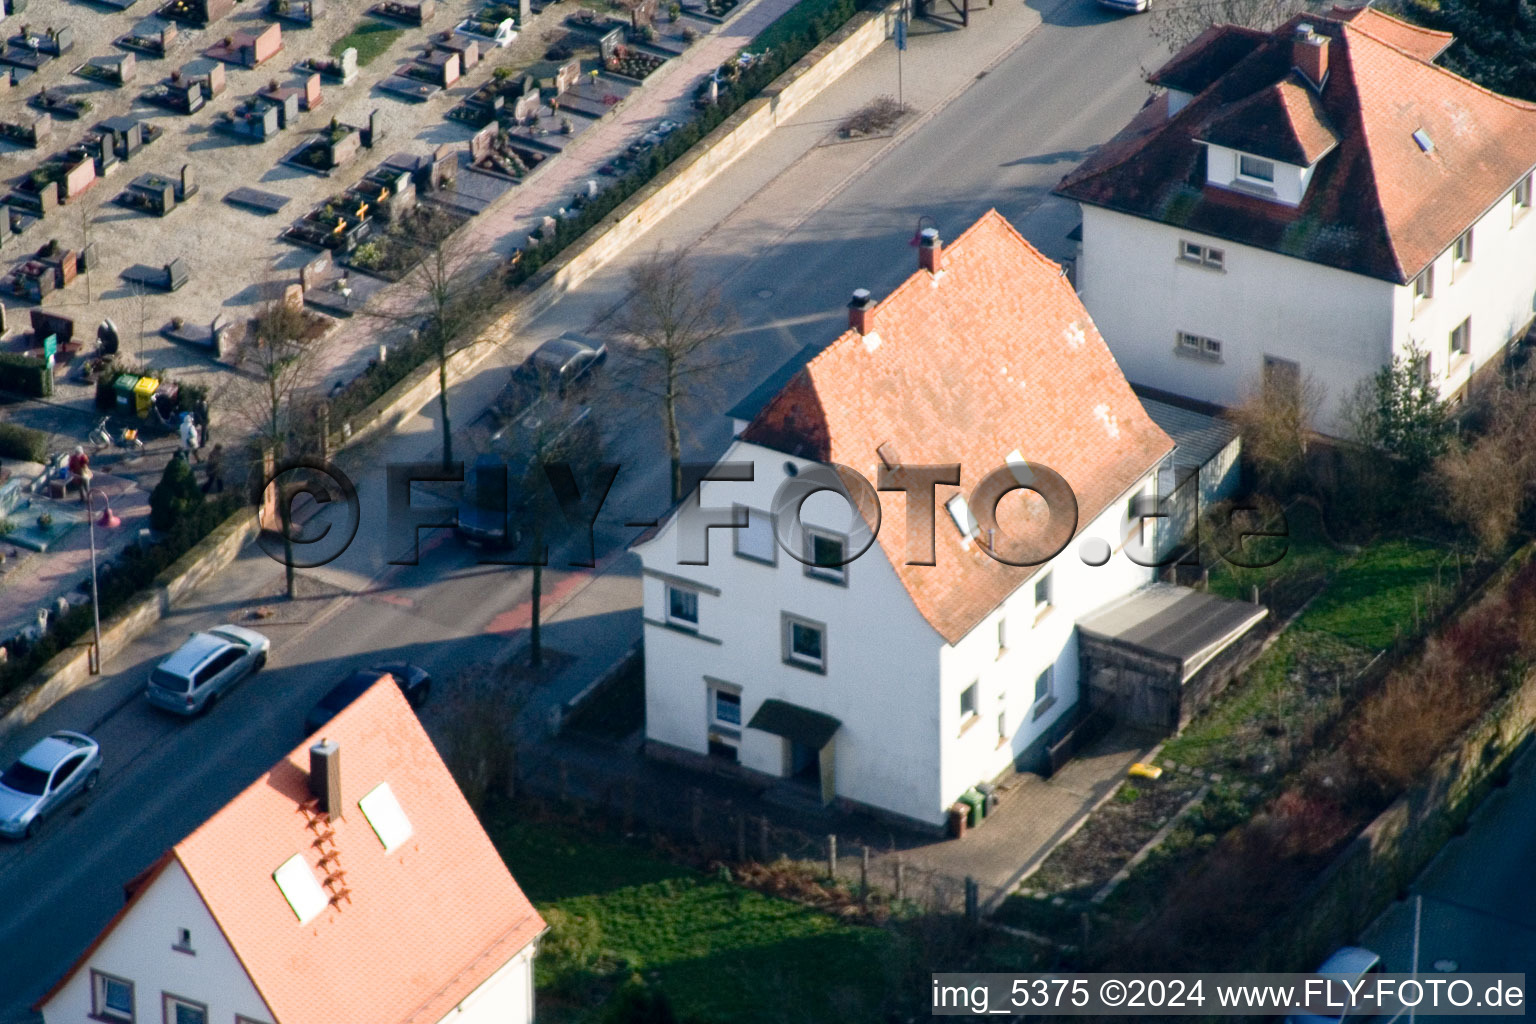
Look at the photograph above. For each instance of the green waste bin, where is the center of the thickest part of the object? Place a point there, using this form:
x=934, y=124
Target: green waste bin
x=123, y=387
x=974, y=800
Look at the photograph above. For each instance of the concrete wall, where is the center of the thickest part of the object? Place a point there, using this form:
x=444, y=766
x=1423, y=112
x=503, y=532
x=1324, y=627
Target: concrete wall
x=1391, y=850
x=139, y=950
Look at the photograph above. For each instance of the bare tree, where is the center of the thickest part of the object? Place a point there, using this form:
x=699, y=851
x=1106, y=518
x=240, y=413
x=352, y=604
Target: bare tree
x=141, y=308
x=278, y=368
x=451, y=300
x=1177, y=23
x=482, y=710
x=676, y=325
x=1488, y=480
x=1276, y=422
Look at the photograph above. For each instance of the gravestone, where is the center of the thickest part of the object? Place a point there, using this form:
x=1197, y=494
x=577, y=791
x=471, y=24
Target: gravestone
x=445, y=67
x=527, y=106
x=481, y=142
x=444, y=160
x=372, y=134
x=131, y=140
x=167, y=37
x=260, y=48
x=524, y=11
x=60, y=40
x=567, y=77
x=348, y=64
x=547, y=229
x=45, y=323
x=312, y=92
x=610, y=42
x=642, y=15
x=468, y=50
x=213, y=83
x=312, y=274
x=188, y=183
x=79, y=178
x=293, y=296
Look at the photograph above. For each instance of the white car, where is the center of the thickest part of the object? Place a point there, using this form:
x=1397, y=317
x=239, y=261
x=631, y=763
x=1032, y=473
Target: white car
x=1351, y=963
x=193, y=678
x=55, y=769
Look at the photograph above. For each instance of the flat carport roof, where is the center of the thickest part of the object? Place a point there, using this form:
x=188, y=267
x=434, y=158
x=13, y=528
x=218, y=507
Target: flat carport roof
x=1175, y=623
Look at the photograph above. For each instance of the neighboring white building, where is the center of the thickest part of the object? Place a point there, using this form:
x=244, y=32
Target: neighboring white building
x=1311, y=201
x=348, y=885
x=882, y=683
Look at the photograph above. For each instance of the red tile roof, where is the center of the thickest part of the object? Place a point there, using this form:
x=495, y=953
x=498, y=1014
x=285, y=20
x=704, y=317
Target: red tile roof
x=993, y=354
x=423, y=927
x=1377, y=204
x=1284, y=122
x=1424, y=43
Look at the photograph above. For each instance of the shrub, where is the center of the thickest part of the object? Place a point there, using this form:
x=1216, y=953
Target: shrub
x=18, y=442
x=176, y=497
x=639, y=1003
x=1401, y=728
x=27, y=375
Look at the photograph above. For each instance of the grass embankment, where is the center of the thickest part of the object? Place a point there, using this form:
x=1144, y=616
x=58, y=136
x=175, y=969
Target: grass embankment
x=719, y=952
x=370, y=38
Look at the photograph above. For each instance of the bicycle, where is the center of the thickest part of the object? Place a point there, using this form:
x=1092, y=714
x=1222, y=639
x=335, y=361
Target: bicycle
x=102, y=437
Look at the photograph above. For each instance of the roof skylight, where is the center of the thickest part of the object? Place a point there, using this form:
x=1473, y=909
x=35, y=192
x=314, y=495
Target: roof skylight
x=960, y=512
x=385, y=815
x=301, y=888
x=1425, y=142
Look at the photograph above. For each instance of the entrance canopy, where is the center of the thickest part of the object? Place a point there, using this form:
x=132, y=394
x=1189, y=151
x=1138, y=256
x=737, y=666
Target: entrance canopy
x=795, y=723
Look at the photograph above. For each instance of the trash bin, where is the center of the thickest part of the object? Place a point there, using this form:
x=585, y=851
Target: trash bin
x=988, y=797
x=143, y=393
x=972, y=800
x=957, y=814
x=123, y=387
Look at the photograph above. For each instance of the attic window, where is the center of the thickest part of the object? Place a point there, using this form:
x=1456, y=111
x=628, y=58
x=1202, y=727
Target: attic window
x=1253, y=168
x=383, y=812
x=960, y=512
x=1020, y=468
x=301, y=888
x=1422, y=138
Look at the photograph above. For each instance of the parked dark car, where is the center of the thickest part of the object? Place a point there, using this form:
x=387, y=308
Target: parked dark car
x=414, y=682
x=494, y=498
x=559, y=364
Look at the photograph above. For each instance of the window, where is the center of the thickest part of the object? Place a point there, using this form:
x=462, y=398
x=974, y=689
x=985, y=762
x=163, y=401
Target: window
x=386, y=816
x=1253, y=167
x=184, y=1011
x=111, y=998
x=724, y=720
x=1002, y=727
x=183, y=943
x=682, y=607
x=827, y=554
x=727, y=708
x=755, y=540
x=301, y=888
x=960, y=512
x=1043, y=593
x=1424, y=285
x=1198, y=345
x=1461, y=251
x=1002, y=637
x=968, y=697
x=1045, y=689
x=805, y=643
x=1522, y=195
x=1203, y=255
x=1461, y=338
x=62, y=773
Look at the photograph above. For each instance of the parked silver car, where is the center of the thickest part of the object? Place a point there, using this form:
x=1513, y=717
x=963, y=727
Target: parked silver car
x=193, y=678
x=55, y=769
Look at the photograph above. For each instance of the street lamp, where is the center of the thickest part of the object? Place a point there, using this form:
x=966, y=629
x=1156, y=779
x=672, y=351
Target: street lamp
x=108, y=520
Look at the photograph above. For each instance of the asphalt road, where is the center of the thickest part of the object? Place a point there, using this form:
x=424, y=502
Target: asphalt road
x=788, y=249
x=1479, y=902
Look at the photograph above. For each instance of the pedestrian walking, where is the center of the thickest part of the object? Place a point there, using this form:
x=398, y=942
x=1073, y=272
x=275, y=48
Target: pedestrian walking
x=200, y=417
x=214, y=484
x=189, y=437
x=80, y=473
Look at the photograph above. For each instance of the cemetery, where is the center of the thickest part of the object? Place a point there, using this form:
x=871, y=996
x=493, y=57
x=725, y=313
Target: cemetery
x=329, y=149
x=48, y=269
x=29, y=133
x=299, y=13
x=409, y=14
x=307, y=94
x=157, y=45
x=197, y=13
x=466, y=48
x=339, y=70
x=114, y=69
x=128, y=135
x=59, y=104
x=178, y=94
x=255, y=119
x=31, y=51
x=248, y=47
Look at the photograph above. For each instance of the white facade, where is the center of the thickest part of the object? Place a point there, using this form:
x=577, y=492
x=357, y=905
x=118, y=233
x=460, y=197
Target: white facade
x=142, y=950
x=145, y=949
x=1159, y=309
x=909, y=743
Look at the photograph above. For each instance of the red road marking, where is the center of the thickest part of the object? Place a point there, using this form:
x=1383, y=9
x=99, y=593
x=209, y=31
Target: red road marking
x=521, y=616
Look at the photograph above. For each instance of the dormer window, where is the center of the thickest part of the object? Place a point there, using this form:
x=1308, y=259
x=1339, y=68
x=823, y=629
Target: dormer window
x=1253, y=168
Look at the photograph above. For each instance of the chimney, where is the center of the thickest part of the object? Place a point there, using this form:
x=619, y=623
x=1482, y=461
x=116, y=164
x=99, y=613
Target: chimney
x=1309, y=55
x=929, y=249
x=325, y=776
x=859, y=309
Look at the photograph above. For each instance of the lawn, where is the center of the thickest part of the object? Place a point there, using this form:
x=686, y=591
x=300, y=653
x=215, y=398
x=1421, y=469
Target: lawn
x=371, y=38
x=798, y=20
x=1375, y=596
x=720, y=952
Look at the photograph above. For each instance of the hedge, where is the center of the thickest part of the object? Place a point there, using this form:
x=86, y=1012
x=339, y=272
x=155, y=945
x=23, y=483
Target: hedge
x=24, y=443
x=795, y=34
x=25, y=375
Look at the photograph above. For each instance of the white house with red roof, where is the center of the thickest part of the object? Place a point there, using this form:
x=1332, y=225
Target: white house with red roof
x=351, y=884
x=1310, y=202
x=890, y=657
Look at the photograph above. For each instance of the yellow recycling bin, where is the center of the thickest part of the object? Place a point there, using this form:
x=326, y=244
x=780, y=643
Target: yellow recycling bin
x=143, y=391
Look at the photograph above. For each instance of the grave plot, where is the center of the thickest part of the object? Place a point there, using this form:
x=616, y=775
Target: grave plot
x=156, y=44
x=423, y=77
x=249, y=47
x=298, y=13
x=101, y=153
x=338, y=225
x=115, y=69
x=496, y=23
x=31, y=50
x=31, y=131
x=491, y=152
x=166, y=278
x=158, y=194
x=116, y=5
x=307, y=93
x=257, y=201
x=467, y=48
x=179, y=94
x=409, y=14
x=196, y=12
x=329, y=149
x=61, y=105
x=50, y=268
x=486, y=103
x=340, y=71
x=63, y=177
x=632, y=61
x=127, y=135
x=333, y=289
x=256, y=119
x=712, y=10
x=394, y=252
